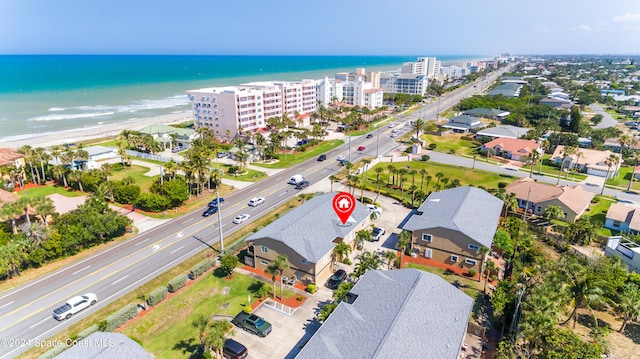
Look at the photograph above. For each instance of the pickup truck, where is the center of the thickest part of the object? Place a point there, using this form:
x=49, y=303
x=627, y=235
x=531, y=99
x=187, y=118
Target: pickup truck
x=75, y=305
x=252, y=323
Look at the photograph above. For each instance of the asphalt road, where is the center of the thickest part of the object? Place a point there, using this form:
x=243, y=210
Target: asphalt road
x=26, y=311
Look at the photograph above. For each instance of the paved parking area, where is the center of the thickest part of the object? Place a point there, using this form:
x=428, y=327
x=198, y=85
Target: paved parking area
x=289, y=332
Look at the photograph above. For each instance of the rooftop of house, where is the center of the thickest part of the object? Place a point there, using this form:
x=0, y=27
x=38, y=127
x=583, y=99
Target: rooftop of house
x=8, y=156
x=311, y=228
x=399, y=313
x=575, y=198
x=464, y=121
x=486, y=112
x=513, y=145
x=459, y=209
x=7, y=197
x=98, y=150
x=103, y=345
x=587, y=157
x=623, y=213
x=503, y=131
x=506, y=89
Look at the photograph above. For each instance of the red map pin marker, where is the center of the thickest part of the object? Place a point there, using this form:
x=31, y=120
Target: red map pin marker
x=343, y=205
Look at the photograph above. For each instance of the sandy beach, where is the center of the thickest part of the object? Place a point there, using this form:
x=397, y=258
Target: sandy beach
x=102, y=131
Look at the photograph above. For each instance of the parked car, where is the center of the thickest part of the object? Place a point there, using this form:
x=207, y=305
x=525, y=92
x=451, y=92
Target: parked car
x=234, y=350
x=256, y=201
x=377, y=234
x=303, y=184
x=75, y=305
x=216, y=202
x=374, y=208
x=252, y=323
x=361, y=148
x=209, y=211
x=334, y=281
x=370, y=135
x=222, y=154
x=241, y=218
x=322, y=158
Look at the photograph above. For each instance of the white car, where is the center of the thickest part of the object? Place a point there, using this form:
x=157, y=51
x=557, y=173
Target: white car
x=341, y=158
x=256, y=201
x=378, y=232
x=392, y=125
x=374, y=208
x=394, y=135
x=241, y=218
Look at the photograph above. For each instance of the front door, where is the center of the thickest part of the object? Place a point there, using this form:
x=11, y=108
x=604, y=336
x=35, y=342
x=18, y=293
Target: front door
x=427, y=253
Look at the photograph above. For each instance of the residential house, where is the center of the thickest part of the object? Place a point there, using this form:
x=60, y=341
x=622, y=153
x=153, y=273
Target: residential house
x=535, y=197
x=504, y=131
x=493, y=113
x=557, y=103
x=510, y=89
x=7, y=197
x=11, y=158
x=626, y=250
x=592, y=162
x=464, y=124
x=181, y=137
x=105, y=345
x=452, y=225
x=307, y=235
x=512, y=148
x=621, y=217
x=404, y=313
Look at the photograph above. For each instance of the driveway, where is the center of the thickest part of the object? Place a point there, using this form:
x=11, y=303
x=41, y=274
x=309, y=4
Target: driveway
x=607, y=119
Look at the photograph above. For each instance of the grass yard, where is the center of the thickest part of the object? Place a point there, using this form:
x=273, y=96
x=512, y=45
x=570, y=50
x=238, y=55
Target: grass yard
x=450, y=143
x=598, y=213
x=623, y=178
x=248, y=175
x=138, y=174
x=290, y=159
x=43, y=191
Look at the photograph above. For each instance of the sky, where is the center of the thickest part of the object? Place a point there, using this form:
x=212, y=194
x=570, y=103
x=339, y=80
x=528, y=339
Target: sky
x=328, y=27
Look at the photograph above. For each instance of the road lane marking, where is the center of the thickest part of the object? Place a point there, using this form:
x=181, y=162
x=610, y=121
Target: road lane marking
x=177, y=249
x=155, y=248
x=4, y=305
x=123, y=278
x=78, y=271
x=188, y=220
x=38, y=323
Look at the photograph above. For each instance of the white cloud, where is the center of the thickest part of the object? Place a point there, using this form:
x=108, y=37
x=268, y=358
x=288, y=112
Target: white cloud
x=628, y=17
x=544, y=28
x=581, y=27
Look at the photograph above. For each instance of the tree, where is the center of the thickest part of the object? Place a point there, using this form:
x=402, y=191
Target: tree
x=228, y=263
x=582, y=231
x=439, y=176
x=489, y=267
x=502, y=240
x=366, y=261
x=566, y=152
x=390, y=257
x=418, y=126
x=404, y=241
x=282, y=263
x=423, y=173
x=533, y=159
x=611, y=161
x=628, y=304
x=363, y=235
x=582, y=287
x=341, y=251
x=333, y=179
x=553, y=212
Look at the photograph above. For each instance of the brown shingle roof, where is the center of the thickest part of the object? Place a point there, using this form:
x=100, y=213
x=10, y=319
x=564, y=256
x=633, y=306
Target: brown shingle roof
x=576, y=198
x=7, y=197
x=8, y=156
x=589, y=157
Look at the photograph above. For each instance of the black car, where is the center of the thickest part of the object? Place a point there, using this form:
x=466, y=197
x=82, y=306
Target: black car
x=336, y=279
x=234, y=350
x=322, y=158
x=216, y=202
x=209, y=211
x=303, y=184
x=370, y=135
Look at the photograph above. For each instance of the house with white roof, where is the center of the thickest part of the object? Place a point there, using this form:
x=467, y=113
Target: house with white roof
x=626, y=250
x=592, y=162
x=463, y=124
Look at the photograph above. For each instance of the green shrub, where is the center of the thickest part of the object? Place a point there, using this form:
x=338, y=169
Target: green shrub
x=432, y=146
x=472, y=272
x=85, y=333
x=247, y=309
x=452, y=151
x=126, y=194
x=200, y=268
x=152, y=202
x=157, y=295
x=117, y=319
x=299, y=298
x=425, y=158
x=311, y=288
x=502, y=184
x=54, y=352
x=177, y=283
x=347, y=261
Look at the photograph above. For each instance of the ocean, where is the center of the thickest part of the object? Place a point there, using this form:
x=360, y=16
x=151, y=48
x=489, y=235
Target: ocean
x=41, y=94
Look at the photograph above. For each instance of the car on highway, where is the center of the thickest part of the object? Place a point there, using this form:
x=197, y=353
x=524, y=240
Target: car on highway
x=370, y=135
x=303, y=184
x=322, y=158
x=209, y=211
x=216, y=202
x=341, y=158
x=394, y=135
x=361, y=148
x=256, y=201
x=75, y=305
x=334, y=281
x=241, y=218
x=392, y=125
x=377, y=234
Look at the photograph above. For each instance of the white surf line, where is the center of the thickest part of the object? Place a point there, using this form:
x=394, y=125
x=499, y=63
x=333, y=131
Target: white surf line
x=38, y=323
x=125, y=277
x=80, y=270
x=5, y=305
x=177, y=249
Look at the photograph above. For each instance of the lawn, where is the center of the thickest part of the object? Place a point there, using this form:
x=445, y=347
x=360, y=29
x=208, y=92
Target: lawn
x=623, y=178
x=248, y=175
x=290, y=159
x=450, y=143
x=598, y=212
x=43, y=191
x=138, y=174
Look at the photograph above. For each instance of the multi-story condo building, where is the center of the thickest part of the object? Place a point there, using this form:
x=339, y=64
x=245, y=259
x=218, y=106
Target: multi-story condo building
x=356, y=92
x=225, y=110
x=413, y=78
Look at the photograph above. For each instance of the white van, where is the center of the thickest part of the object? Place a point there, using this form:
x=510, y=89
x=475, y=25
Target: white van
x=295, y=179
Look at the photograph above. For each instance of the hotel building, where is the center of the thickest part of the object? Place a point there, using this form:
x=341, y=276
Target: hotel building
x=356, y=89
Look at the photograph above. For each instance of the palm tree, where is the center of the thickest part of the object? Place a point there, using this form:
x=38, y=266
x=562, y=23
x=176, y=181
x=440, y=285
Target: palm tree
x=13, y=255
x=428, y=177
x=28, y=153
x=439, y=176
x=363, y=235
x=418, y=126
x=423, y=173
x=611, y=161
x=401, y=173
x=201, y=323
x=489, y=267
x=273, y=271
x=333, y=179
x=44, y=207
x=390, y=256
x=10, y=211
x=282, y=263
x=628, y=304
x=553, y=212
x=76, y=176
x=584, y=289
x=107, y=170
x=341, y=251
x=366, y=261
x=392, y=170
x=533, y=159
x=566, y=152
x=404, y=241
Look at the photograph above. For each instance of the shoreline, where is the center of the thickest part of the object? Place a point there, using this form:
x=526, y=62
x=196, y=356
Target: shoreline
x=90, y=133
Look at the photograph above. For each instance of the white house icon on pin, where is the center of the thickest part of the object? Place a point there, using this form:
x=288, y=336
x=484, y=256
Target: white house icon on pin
x=344, y=203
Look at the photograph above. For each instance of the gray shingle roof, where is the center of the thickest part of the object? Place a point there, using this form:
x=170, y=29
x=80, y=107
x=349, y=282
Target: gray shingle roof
x=471, y=211
x=504, y=131
x=403, y=313
x=101, y=345
x=310, y=229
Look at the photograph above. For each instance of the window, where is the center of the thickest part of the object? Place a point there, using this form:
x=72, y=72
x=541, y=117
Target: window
x=426, y=237
x=264, y=263
x=454, y=259
x=264, y=249
x=473, y=247
x=470, y=261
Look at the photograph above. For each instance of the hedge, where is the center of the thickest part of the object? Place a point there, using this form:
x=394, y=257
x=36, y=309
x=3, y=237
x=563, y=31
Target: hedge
x=177, y=283
x=85, y=333
x=54, y=352
x=157, y=295
x=117, y=319
x=200, y=268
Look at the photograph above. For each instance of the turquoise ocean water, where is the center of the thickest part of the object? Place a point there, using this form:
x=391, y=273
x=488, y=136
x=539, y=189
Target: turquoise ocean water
x=50, y=93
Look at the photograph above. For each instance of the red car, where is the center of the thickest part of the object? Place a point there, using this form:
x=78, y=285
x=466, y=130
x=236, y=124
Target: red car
x=361, y=148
